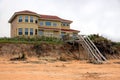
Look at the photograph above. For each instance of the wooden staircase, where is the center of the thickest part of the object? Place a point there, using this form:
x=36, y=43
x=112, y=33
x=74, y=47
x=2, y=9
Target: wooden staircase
x=94, y=54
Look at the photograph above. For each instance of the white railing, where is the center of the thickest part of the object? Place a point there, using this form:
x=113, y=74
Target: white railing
x=91, y=49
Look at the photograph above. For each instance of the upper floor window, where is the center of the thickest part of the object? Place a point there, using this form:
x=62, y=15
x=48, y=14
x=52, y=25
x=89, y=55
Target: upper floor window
x=65, y=24
x=31, y=18
x=20, y=32
x=41, y=23
x=26, y=31
x=26, y=18
x=54, y=24
x=20, y=19
x=48, y=23
x=68, y=24
x=36, y=21
x=31, y=31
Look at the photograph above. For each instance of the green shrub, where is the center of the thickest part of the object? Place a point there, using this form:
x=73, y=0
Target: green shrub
x=37, y=39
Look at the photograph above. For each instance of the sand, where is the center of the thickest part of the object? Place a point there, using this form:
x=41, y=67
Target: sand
x=58, y=70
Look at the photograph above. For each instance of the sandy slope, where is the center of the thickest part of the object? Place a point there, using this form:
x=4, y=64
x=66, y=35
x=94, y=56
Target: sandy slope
x=73, y=70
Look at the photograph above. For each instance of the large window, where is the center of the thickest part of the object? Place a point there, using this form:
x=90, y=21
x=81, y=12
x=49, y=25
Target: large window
x=20, y=32
x=54, y=24
x=31, y=18
x=31, y=31
x=26, y=18
x=41, y=23
x=48, y=23
x=26, y=31
x=20, y=19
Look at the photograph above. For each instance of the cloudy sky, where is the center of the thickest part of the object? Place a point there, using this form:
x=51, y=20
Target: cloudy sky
x=89, y=16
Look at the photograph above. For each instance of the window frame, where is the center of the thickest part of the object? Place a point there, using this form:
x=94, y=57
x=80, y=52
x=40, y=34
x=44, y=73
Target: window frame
x=20, y=19
x=48, y=23
x=55, y=24
x=41, y=23
x=31, y=31
x=26, y=31
x=20, y=31
x=65, y=24
x=26, y=19
x=31, y=19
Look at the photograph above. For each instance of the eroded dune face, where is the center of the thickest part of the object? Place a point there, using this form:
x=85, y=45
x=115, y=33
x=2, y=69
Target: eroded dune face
x=34, y=69
x=59, y=51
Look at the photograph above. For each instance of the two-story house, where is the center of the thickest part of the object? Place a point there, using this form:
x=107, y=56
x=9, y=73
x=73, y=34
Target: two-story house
x=29, y=24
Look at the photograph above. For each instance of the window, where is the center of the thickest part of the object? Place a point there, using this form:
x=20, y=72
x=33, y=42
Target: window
x=31, y=18
x=41, y=24
x=26, y=31
x=31, y=31
x=36, y=21
x=48, y=23
x=20, y=31
x=54, y=24
x=26, y=18
x=40, y=32
x=65, y=24
x=20, y=19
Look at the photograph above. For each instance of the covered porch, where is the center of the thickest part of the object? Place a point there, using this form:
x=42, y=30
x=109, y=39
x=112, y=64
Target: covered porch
x=56, y=32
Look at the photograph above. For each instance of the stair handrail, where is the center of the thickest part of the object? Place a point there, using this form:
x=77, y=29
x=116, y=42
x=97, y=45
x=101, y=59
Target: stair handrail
x=96, y=48
x=89, y=48
x=93, y=48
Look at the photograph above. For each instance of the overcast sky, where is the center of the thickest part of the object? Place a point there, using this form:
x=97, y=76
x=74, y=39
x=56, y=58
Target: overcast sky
x=89, y=16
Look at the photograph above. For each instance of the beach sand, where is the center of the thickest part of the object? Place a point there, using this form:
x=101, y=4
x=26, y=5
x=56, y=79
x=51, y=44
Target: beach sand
x=58, y=70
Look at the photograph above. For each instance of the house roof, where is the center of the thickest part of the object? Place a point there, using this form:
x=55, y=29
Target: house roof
x=48, y=17
x=69, y=30
x=26, y=11
x=51, y=17
x=41, y=16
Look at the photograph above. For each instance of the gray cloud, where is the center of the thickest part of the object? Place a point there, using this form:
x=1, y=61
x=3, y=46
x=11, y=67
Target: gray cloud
x=89, y=16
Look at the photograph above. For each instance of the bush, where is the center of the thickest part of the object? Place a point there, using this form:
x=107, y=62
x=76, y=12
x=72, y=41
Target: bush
x=37, y=39
x=103, y=44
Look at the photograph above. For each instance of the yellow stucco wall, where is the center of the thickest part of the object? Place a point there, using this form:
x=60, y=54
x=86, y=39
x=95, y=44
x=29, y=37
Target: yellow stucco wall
x=28, y=25
x=14, y=28
x=65, y=27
